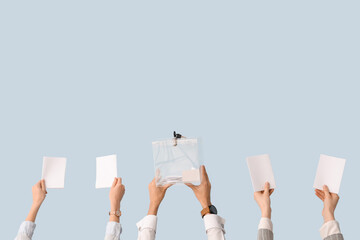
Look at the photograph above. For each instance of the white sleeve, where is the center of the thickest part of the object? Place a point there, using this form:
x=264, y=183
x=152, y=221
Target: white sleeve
x=147, y=228
x=265, y=223
x=26, y=231
x=214, y=227
x=329, y=228
x=113, y=231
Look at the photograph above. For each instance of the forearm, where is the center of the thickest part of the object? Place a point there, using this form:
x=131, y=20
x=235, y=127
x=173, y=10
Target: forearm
x=266, y=213
x=114, y=218
x=153, y=209
x=265, y=208
x=328, y=215
x=33, y=213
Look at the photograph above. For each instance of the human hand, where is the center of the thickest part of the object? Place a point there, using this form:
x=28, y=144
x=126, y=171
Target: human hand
x=39, y=193
x=262, y=198
x=330, y=201
x=116, y=194
x=202, y=191
x=157, y=194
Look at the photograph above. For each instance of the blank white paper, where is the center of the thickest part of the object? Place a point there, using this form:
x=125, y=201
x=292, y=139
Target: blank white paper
x=53, y=172
x=106, y=171
x=260, y=172
x=329, y=172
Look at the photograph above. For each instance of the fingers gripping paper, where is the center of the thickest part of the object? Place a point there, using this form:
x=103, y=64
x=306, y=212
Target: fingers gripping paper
x=329, y=172
x=53, y=172
x=260, y=172
x=106, y=171
x=176, y=164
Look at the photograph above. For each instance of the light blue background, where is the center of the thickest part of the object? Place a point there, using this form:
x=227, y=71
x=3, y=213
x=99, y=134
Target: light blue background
x=82, y=79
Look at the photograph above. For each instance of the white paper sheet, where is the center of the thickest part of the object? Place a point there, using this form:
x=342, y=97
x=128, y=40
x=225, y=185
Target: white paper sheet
x=53, y=172
x=106, y=171
x=260, y=172
x=329, y=172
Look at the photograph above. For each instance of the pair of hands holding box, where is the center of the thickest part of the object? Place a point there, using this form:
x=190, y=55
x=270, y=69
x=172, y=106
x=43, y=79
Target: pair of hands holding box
x=157, y=194
x=202, y=193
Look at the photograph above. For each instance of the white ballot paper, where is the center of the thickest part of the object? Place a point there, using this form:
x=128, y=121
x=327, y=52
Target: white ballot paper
x=106, y=171
x=260, y=172
x=53, y=172
x=329, y=172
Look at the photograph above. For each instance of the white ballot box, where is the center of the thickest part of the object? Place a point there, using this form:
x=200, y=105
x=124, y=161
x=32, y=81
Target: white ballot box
x=260, y=172
x=329, y=172
x=53, y=172
x=177, y=163
x=106, y=171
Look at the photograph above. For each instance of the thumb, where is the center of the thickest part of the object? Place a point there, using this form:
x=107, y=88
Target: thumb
x=167, y=186
x=114, y=182
x=190, y=185
x=43, y=186
x=119, y=181
x=326, y=191
x=267, y=188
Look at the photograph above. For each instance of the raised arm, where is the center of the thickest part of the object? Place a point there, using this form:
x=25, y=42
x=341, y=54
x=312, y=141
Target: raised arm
x=147, y=225
x=214, y=224
x=27, y=228
x=262, y=198
x=113, y=228
x=330, y=230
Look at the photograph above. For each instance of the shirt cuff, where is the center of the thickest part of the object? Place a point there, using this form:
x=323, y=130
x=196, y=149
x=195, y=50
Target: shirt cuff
x=27, y=228
x=214, y=221
x=265, y=223
x=150, y=221
x=113, y=229
x=329, y=228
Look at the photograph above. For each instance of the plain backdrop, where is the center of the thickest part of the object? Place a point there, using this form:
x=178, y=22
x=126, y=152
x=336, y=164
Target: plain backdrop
x=82, y=79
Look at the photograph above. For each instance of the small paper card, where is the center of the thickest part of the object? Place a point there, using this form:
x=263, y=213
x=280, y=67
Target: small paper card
x=260, y=172
x=53, y=172
x=329, y=172
x=192, y=175
x=106, y=171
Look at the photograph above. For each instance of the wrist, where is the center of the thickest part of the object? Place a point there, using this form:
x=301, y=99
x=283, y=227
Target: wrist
x=153, y=209
x=114, y=206
x=33, y=213
x=114, y=218
x=266, y=214
x=328, y=216
x=205, y=204
x=211, y=209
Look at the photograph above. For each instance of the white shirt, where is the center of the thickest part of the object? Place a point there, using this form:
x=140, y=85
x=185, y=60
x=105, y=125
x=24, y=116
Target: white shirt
x=329, y=228
x=113, y=231
x=26, y=231
x=265, y=223
x=214, y=227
